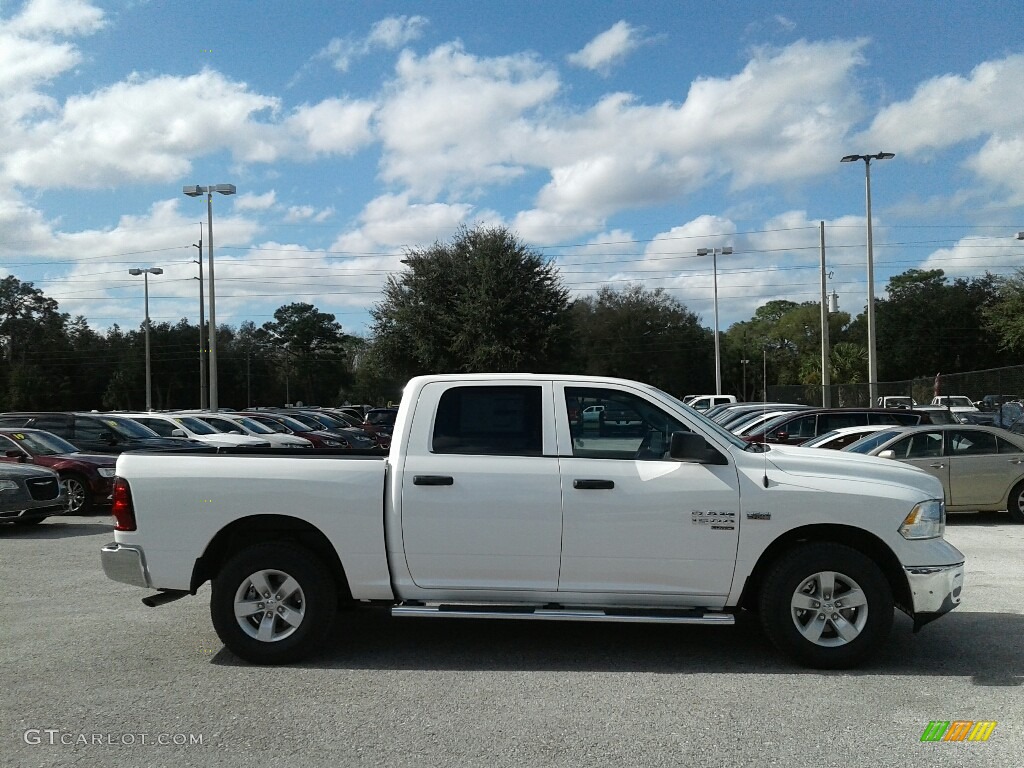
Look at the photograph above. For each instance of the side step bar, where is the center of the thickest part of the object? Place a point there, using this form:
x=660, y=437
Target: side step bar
x=550, y=613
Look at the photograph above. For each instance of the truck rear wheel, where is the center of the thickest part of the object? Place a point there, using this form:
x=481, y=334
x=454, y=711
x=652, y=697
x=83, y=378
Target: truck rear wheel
x=273, y=603
x=826, y=605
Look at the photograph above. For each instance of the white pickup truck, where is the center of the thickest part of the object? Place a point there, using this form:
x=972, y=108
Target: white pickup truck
x=497, y=501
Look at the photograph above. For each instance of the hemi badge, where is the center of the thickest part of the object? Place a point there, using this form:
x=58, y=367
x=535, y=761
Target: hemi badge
x=759, y=515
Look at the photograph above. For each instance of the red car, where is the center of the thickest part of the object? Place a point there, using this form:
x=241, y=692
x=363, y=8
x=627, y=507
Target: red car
x=87, y=479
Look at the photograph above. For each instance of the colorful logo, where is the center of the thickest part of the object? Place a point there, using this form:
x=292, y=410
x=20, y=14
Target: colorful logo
x=958, y=730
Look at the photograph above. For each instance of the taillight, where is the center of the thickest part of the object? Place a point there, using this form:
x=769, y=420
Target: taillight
x=122, y=509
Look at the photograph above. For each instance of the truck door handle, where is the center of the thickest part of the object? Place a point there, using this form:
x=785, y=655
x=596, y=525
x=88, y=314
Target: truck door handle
x=432, y=480
x=936, y=466
x=593, y=485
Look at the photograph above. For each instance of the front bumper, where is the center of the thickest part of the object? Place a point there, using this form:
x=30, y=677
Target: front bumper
x=935, y=590
x=125, y=564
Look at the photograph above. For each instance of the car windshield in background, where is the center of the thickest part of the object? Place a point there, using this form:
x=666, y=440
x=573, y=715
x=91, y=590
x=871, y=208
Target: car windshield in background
x=253, y=425
x=197, y=426
x=127, y=428
x=42, y=443
x=869, y=443
x=725, y=434
x=293, y=424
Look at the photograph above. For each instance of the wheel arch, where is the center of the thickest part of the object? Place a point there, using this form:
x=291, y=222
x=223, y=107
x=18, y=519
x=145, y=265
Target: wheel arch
x=847, y=535
x=259, y=529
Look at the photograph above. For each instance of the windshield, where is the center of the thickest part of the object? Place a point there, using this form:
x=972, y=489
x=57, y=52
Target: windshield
x=254, y=426
x=869, y=443
x=194, y=425
x=128, y=428
x=816, y=441
x=705, y=422
x=293, y=424
x=42, y=443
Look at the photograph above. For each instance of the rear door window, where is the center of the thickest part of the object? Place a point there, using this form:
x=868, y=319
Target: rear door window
x=503, y=421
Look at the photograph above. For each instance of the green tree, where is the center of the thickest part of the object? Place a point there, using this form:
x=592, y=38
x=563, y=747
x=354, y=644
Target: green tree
x=311, y=347
x=1004, y=316
x=646, y=335
x=482, y=302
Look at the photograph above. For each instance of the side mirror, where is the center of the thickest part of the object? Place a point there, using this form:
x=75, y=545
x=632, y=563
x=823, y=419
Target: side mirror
x=14, y=453
x=890, y=454
x=691, y=447
x=178, y=433
x=108, y=438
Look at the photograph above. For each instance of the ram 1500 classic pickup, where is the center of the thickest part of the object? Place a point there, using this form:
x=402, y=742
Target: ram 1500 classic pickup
x=493, y=503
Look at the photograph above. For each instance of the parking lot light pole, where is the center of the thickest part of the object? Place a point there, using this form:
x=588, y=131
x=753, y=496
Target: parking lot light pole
x=196, y=191
x=718, y=353
x=204, y=381
x=135, y=271
x=872, y=350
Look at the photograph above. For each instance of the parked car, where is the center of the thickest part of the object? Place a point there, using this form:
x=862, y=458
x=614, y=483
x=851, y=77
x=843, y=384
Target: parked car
x=752, y=420
x=29, y=495
x=287, y=425
x=958, y=404
x=95, y=432
x=896, y=401
x=87, y=479
x=357, y=438
x=838, y=439
x=732, y=414
x=938, y=414
x=381, y=420
x=229, y=423
x=981, y=468
x=175, y=425
x=993, y=402
x=704, y=402
x=796, y=428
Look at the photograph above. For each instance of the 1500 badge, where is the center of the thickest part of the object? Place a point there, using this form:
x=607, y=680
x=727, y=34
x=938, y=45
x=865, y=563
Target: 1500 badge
x=719, y=521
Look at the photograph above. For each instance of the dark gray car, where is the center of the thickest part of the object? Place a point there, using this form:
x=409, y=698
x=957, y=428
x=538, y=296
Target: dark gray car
x=30, y=494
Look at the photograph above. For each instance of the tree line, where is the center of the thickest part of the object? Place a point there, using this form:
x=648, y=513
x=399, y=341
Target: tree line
x=484, y=301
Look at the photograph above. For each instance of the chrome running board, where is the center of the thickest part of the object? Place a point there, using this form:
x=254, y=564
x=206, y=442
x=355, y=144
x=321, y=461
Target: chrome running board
x=549, y=613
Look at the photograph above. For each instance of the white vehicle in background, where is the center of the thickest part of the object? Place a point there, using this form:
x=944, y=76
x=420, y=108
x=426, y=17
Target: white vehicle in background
x=957, y=404
x=704, y=402
x=755, y=419
x=896, y=401
x=177, y=425
x=235, y=423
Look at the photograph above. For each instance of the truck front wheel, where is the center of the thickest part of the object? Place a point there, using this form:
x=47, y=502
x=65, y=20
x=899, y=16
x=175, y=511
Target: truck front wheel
x=826, y=605
x=273, y=603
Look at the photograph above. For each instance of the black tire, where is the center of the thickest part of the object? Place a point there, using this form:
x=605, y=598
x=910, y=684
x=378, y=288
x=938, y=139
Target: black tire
x=1015, y=506
x=801, y=576
x=285, y=640
x=79, y=497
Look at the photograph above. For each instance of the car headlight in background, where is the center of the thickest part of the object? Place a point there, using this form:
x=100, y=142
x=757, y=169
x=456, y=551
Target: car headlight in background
x=926, y=520
x=332, y=443
x=106, y=471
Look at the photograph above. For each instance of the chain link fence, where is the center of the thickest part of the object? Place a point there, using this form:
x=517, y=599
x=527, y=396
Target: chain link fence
x=1006, y=382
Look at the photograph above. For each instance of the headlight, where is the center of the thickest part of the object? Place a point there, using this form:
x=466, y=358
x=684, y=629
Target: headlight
x=8, y=485
x=332, y=443
x=106, y=471
x=926, y=520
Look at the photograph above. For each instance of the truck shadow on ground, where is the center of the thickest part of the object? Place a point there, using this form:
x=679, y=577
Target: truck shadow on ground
x=982, y=646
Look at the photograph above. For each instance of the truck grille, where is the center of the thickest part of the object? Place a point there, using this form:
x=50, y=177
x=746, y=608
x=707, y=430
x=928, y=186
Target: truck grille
x=43, y=488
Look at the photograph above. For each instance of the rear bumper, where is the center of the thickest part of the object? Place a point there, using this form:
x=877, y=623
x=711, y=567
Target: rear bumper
x=935, y=590
x=125, y=564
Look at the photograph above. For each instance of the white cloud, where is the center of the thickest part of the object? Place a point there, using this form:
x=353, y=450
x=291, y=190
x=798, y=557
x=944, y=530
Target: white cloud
x=608, y=48
x=388, y=34
x=951, y=109
x=250, y=201
x=455, y=119
x=394, y=222
x=57, y=16
x=332, y=126
x=972, y=257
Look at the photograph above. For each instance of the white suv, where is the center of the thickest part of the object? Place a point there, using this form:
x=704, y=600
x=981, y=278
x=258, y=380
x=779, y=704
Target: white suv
x=176, y=425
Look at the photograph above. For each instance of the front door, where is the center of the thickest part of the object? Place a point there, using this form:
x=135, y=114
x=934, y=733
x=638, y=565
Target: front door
x=635, y=521
x=481, y=497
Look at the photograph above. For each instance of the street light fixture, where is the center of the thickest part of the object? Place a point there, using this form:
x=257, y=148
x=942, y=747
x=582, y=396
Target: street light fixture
x=196, y=191
x=872, y=351
x=726, y=251
x=135, y=271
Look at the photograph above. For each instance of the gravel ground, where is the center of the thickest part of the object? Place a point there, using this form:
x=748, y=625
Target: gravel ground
x=91, y=677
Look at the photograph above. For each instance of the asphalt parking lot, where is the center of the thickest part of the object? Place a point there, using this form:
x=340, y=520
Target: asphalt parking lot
x=91, y=677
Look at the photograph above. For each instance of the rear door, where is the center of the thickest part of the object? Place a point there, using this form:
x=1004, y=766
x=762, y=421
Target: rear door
x=481, y=492
x=978, y=473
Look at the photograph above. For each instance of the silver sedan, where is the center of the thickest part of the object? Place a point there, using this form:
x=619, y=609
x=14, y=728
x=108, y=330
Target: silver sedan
x=981, y=468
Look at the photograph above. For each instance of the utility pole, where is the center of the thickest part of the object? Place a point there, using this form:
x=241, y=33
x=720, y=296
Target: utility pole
x=826, y=372
x=204, y=396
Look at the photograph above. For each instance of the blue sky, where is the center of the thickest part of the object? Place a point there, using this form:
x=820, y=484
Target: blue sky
x=615, y=138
